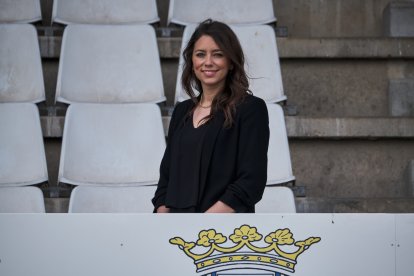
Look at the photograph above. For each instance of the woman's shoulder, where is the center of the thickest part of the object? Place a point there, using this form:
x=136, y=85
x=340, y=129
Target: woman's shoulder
x=181, y=110
x=252, y=108
x=184, y=106
x=251, y=101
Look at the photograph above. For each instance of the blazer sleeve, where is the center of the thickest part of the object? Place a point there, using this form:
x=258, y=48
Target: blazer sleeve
x=160, y=193
x=251, y=172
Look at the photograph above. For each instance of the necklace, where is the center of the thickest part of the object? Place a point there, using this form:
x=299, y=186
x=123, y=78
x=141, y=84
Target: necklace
x=203, y=106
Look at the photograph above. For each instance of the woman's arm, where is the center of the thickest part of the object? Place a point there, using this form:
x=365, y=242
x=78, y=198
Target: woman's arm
x=160, y=193
x=163, y=209
x=159, y=198
x=220, y=207
x=251, y=172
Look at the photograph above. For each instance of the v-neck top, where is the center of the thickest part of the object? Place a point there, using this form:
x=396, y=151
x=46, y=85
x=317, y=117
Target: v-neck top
x=186, y=179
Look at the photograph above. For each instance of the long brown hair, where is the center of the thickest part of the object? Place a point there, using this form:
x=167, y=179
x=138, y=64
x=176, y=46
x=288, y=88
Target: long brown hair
x=237, y=83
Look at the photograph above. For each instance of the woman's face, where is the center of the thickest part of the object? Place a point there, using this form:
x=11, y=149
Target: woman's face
x=209, y=63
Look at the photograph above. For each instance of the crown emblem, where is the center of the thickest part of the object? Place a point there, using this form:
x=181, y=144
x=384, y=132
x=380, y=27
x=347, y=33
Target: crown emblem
x=247, y=250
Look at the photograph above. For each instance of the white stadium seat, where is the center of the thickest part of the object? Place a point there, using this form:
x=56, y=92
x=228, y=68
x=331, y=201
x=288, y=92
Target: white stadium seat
x=21, y=75
x=112, y=199
x=20, y=11
x=276, y=200
x=21, y=200
x=105, y=11
x=185, y=12
x=112, y=144
x=109, y=64
x=22, y=153
x=279, y=166
x=262, y=62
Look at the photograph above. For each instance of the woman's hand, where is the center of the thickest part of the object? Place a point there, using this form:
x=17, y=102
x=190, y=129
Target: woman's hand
x=220, y=207
x=163, y=209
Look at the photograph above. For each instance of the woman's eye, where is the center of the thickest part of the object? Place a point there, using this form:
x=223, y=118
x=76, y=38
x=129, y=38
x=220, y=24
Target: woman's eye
x=199, y=55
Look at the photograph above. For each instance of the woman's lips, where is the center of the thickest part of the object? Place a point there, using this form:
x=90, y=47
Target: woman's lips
x=209, y=73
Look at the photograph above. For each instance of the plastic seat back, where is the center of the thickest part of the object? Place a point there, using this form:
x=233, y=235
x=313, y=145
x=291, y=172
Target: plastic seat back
x=22, y=152
x=262, y=61
x=105, y=11
x=112, y=199
x=277, y=200
x=112, y=144
x=21, y=75
x=21, y=200
x=279, y=166
x=20, y=11
x=185, y=12
x=109, y=64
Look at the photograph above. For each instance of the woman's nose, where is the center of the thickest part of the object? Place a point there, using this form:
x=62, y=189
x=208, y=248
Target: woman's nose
x=208, y=60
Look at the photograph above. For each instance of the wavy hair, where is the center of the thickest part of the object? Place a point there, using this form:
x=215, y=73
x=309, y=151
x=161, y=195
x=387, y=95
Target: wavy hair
x=237, y=83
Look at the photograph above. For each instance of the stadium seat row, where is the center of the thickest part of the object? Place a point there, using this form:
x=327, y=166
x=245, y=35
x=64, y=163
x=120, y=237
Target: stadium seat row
x=182, y=12
x=118, y=63
x=108, y=145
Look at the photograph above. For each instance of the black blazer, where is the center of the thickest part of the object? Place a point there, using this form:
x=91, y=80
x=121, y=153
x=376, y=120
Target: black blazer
x=234, y=160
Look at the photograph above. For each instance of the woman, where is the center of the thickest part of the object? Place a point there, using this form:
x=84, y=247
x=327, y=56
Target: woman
x=216, y=155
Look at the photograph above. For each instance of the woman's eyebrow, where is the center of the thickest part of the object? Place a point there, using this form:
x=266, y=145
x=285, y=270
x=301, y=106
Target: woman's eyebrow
x=204, y=50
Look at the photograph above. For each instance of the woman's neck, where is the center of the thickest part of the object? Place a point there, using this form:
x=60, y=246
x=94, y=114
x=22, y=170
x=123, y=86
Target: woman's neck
x=208, y=96
x=203, y=103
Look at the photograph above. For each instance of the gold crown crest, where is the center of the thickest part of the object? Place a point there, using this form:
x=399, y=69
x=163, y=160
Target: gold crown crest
x=243, y=253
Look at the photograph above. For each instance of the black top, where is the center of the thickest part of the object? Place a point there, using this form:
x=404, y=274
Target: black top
x=185, y=176
x=233, y=161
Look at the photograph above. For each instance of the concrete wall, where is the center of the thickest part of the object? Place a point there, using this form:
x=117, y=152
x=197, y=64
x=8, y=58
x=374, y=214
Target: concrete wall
x=341, y=87
x=331, y=18
x=401, y=97
x=352, y=168
x=399, y=19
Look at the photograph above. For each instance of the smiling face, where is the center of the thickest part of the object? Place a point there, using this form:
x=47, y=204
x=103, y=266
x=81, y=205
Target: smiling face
x=210, y=65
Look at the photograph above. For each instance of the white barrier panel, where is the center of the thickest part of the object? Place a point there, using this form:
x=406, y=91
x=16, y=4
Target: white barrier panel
x=404, y=244
x=217, y=245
